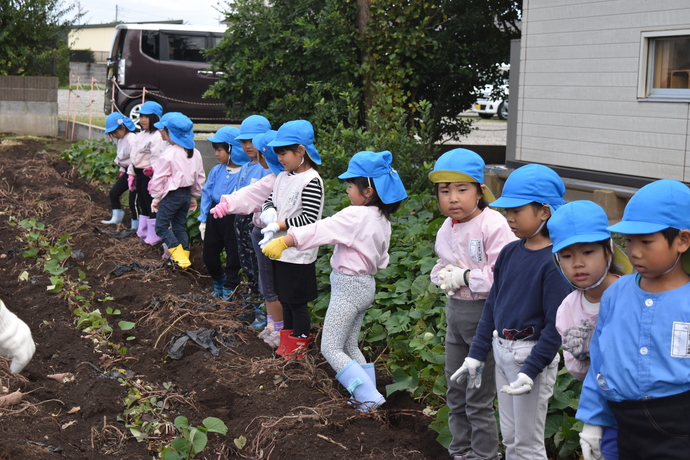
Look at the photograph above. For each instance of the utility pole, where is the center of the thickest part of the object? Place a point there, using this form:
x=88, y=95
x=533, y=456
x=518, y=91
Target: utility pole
x=115, y=13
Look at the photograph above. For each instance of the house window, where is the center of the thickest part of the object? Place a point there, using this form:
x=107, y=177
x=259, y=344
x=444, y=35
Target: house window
x=665, y=66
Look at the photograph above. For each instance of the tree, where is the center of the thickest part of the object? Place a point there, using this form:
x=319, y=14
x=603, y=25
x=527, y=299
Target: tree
x=283, y=57
x=33, y=36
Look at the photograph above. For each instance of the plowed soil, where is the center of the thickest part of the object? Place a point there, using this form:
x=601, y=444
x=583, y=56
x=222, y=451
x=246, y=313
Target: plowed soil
x=274, y=409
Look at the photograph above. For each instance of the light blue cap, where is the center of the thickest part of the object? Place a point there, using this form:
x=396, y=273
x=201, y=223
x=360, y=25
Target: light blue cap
x=252, y=126
x=577, y=222
x=181, y=131
x=160, y=124
x=297, y=132
x=532, y=183
x=229, y=134
x=460, y=165
x=151, y=108
x=261, y=144
x=657, y=206
x=115, y=120
x=377, y=166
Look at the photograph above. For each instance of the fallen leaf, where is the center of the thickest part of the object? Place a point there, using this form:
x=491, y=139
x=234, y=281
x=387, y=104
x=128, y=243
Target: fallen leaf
x=74, y=410
x=68, y=424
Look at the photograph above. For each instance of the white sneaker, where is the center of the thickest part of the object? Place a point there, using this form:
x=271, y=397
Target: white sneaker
x=273, y=339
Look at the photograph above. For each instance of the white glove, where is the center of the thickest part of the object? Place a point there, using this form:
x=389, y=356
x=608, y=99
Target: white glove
x=15, y=340
x=576, y=339
x=202, y=230
x=451, y=279
x=473, y=368
x=522, y=385
x=269, y=233
x=269, y=216
x=590, y=442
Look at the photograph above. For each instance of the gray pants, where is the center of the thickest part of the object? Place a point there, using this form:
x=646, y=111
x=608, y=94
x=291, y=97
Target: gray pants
x=351, y=297
x=471, y=418
x=523, y=417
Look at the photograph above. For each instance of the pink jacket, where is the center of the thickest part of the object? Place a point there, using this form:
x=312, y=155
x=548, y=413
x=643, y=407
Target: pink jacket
x=174, y=170
x=249, y=199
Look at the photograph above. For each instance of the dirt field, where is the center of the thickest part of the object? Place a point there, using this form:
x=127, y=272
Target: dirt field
x=284, y=410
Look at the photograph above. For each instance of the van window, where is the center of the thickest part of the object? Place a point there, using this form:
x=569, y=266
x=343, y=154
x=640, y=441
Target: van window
x=186, y=47
x=149, y=44
x=118, y=44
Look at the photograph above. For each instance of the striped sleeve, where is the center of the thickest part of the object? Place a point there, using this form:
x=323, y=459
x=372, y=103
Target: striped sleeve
x=312, y=197
x=268, y=203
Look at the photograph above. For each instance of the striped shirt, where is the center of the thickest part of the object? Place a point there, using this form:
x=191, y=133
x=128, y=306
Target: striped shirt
x=312, y=196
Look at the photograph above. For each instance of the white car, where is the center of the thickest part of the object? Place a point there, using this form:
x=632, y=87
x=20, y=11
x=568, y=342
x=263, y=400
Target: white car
x=486, y=107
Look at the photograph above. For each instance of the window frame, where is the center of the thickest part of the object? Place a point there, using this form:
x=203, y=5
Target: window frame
x=645, y=91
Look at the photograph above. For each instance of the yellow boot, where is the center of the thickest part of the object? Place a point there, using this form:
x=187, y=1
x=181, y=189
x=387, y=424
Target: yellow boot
x=179, y=255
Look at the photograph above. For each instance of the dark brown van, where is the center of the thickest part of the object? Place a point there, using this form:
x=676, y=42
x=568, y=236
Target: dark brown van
x=168, y=61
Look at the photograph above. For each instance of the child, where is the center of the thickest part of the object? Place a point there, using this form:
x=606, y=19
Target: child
x=147, y=149
x=219, y=234
x=639, y=374
x=519, y=317
x=179, y=178
x=15, y=340
x=250, y=172
x=121, y=128
x=296, y=201
x=467, y=244
x=361, y=235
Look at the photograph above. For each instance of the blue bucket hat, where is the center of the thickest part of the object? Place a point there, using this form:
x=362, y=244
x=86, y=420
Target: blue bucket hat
x=377, y=166
x=180, y=129
x=533, y=182
x=160, y=124
x=297, y=132
x=261, y=142
x=115, y=120
x=151, y=108
x=655, y=207
x=229, y=134
x=252, y=126
x=460, y=165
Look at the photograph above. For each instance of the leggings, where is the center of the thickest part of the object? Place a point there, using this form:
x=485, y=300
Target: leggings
x=351, y=297
x=144, y=198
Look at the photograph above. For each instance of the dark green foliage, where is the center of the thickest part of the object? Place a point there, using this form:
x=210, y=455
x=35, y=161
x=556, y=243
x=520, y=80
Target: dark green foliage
x=94, y=160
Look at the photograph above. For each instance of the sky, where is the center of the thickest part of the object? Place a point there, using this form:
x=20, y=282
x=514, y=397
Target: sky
x=193, y=12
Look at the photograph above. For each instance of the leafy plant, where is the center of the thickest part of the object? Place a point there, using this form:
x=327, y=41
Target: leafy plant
x=192, y=440
x=93, y=159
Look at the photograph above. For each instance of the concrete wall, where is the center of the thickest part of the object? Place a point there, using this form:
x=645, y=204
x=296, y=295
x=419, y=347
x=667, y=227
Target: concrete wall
x=578, y=104
x=85, y=71
x=28, y=105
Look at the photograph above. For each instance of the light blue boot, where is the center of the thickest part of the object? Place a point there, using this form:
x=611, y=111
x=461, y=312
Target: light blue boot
x=134, y=224
x=118, y=216
x=356, y=380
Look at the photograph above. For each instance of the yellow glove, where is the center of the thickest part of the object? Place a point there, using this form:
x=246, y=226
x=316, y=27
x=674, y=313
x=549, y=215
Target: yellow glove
x=274, y=249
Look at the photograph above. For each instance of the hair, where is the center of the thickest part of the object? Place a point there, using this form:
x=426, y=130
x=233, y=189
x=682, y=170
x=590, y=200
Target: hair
x=482, y=204
x=190, y=152
x=153, y=119
x=608, y=252
x=221, y=145
x=295, y=148
x=544, y=230
x=670, y=234
x=362, y=183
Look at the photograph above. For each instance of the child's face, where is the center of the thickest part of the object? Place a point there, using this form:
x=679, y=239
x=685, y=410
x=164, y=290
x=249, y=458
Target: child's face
x=356, y=197
x=525, y=220
x=651, y=255
x=144, y=122
x=249, y=149
x=164, y=135
x=119, y=133
x=222, y=155
x=583, y=264
x=290, y=159
x=458, y=200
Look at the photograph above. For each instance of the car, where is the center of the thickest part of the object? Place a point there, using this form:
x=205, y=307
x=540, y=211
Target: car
x=169, y=61
x=486, y=107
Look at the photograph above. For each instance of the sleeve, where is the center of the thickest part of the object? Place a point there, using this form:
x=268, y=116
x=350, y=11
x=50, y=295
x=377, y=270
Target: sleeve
x=577, y=369
x=435, y=271
x=593, y=408
x=268, y=203
x=250, y=199
x=199, y=175
x=158, y=187
x=481, y=279
x=206, y=192
x=157, y=145
x=481, y=343
x=341, y=228
x=312, y=197
x=554, y=290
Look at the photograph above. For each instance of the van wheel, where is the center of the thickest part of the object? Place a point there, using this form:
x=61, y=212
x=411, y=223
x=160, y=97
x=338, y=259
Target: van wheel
x=132, y=111
x=502, y=111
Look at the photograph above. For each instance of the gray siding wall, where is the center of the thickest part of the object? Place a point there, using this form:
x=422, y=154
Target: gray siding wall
x=577, y=99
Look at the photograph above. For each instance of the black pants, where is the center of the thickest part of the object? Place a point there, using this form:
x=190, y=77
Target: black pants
x=220, y=234
x=144, y=198
x=119, y=188
x=295, y=285
x=653, y=429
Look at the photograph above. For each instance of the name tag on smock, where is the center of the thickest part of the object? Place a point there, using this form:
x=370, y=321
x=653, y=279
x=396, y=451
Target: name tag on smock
x=680, y=340
x=476, y=251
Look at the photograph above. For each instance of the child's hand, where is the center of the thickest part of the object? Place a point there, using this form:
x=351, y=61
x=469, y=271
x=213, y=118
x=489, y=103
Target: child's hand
x=202, y=230
x=590, y=441
x=154, y=204
x=522, y=385
x=148, y=171
x=473, y=368
x=269, y=232
x=576, y=339
x=192, y=205
x=132, y=183
x=220, y=210
x=275, y=248
x=15, y=340
x=452, y=278
x=269, y=216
